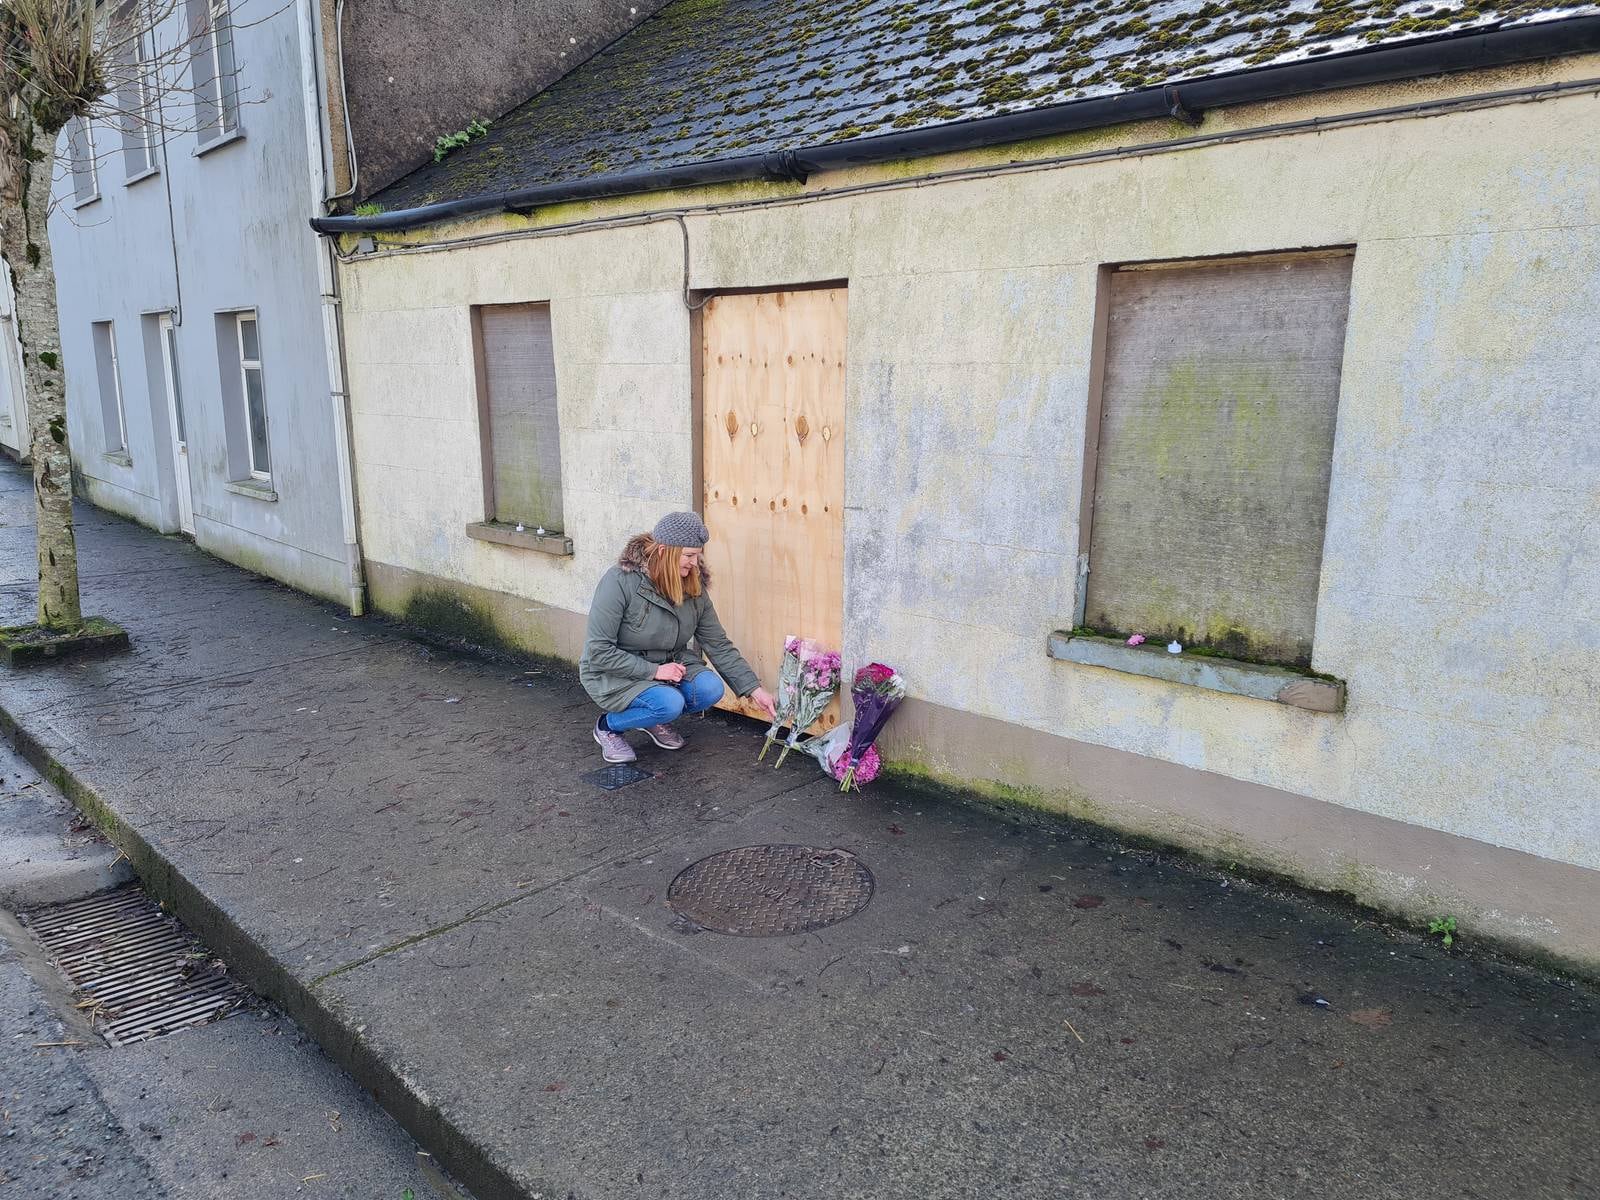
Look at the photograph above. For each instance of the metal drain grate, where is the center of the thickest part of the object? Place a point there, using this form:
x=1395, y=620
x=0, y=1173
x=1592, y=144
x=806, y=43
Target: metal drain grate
x=142, y=974
x=612, y=778
x=771, y=891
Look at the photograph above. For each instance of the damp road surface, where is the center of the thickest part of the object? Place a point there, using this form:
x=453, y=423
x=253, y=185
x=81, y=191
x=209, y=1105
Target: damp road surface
x=246, y=1107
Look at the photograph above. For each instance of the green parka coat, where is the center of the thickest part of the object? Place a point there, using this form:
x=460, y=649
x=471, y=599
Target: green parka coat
x=633, y=629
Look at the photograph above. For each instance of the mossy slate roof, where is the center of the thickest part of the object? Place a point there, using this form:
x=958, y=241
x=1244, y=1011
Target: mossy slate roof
x=705, y=80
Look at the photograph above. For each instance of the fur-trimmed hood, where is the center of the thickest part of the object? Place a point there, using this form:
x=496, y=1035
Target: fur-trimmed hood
x=637, y=552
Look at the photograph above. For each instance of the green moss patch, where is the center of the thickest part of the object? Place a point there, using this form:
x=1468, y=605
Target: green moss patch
x=30, y=645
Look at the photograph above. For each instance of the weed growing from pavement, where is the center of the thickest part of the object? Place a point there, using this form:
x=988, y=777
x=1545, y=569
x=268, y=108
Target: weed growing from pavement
x=1445, y=926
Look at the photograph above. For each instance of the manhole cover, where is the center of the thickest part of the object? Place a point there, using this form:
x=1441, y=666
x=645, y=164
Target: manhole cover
x=141, y=973
x=612, y=778
x=769, y=891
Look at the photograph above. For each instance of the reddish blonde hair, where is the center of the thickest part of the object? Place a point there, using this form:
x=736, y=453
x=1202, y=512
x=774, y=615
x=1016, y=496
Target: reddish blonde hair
x=664, y=565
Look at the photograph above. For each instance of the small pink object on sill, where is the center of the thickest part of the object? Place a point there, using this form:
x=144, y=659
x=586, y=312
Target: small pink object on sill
x=1136, y=640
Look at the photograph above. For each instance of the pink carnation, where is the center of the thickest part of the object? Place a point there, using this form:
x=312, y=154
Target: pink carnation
x=867, y=767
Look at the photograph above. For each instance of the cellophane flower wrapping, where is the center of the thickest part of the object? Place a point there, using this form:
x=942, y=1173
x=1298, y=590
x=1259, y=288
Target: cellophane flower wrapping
x=877, y=692
x=808, y=679
x=787, y=694
x=817, y=686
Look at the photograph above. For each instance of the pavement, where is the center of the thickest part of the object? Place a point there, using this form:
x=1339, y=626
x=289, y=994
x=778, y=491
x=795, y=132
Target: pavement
x=242, y=1109
x=396, y=842
x=49, y=852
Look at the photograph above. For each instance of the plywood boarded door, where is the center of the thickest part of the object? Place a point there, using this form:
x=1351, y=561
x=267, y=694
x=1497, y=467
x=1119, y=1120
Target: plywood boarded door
x=772, y=439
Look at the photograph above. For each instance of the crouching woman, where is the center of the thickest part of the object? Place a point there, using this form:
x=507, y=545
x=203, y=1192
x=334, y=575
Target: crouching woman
x=637, y=664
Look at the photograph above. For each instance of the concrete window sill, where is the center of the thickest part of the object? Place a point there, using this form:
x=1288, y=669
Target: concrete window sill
x=147, y=173
x=87, y=200
x=557, y=544
x=1236, y=678
x=119, y=458
x=218, y=143
x=255, y=489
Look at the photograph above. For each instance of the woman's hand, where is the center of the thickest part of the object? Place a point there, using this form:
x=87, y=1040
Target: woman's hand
x=670, y=672
x=762, y=699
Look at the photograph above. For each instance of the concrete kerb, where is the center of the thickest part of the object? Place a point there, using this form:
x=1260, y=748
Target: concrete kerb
x=465, y=1159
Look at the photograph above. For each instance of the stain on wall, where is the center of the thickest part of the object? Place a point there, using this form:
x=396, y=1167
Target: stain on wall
x=414, y=70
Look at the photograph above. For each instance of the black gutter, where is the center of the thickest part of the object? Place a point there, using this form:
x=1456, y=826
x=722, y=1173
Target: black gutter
x=1381, y=64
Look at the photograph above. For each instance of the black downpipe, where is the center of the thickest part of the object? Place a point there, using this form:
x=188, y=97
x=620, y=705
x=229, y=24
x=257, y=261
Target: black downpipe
x=1383, y=64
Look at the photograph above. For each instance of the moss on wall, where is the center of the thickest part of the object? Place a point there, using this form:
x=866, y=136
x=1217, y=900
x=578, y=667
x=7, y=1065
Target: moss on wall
x=473, y=618
x=452, y=616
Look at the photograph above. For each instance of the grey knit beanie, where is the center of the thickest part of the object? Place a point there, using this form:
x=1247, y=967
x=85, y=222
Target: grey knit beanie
x=681, y=529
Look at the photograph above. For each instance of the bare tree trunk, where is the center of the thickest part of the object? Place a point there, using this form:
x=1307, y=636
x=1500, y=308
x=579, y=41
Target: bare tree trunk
x=26, y=244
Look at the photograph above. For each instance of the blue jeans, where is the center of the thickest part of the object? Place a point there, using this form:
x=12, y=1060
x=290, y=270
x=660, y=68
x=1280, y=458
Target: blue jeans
x=666, y=702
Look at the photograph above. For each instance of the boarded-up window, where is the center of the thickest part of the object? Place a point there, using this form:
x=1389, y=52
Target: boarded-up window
x=1219, y=395
x=521, y=433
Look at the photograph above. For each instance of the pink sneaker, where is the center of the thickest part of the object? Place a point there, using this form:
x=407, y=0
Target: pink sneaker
x=614, y=747
x=665, y=736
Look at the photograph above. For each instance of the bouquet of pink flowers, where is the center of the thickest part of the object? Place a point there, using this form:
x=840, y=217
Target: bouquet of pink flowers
x=786, y=695
x=877, y=692
x=808, y=678
x=864, y=770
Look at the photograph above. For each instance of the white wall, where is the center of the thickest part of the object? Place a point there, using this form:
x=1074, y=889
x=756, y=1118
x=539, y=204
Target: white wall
x=239, y=214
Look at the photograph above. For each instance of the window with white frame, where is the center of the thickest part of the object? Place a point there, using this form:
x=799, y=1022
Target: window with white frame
x=80, y=157
x=113, y=419
x=131, y=59
x=253, y=389
x=212, y=69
